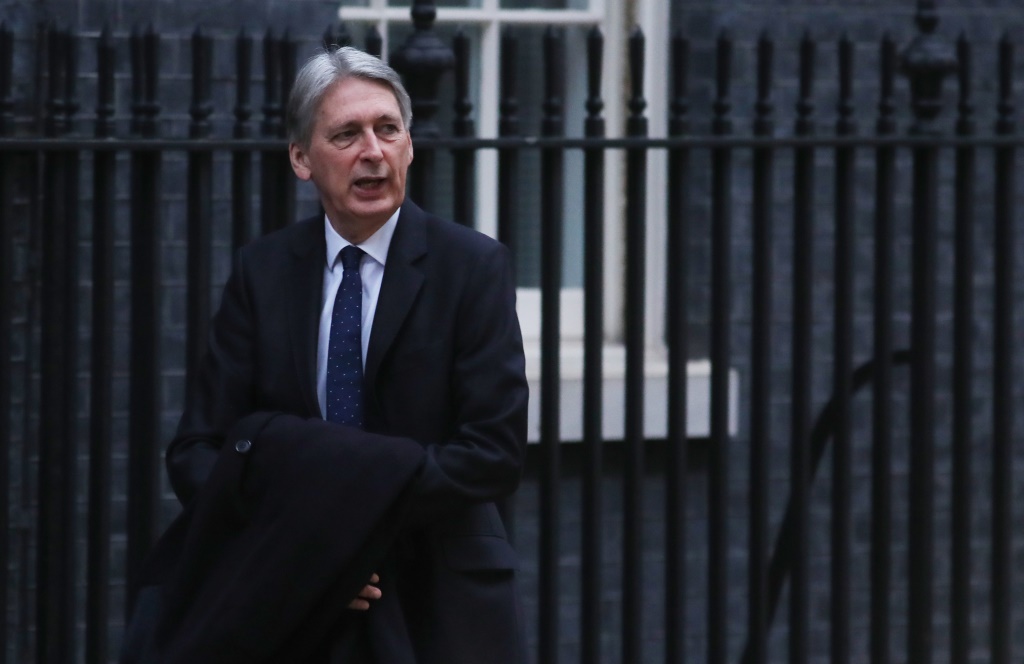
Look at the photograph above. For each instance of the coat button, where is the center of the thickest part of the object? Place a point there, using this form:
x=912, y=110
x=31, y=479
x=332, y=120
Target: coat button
x=243, y=446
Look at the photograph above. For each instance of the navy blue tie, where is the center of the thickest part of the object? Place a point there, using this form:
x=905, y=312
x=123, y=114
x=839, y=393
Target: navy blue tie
x=345, y=349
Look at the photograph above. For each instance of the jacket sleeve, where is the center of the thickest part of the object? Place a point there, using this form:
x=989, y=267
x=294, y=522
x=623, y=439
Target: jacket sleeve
x=483, y=460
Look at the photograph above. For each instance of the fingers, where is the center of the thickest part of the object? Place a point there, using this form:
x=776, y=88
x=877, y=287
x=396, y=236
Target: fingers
x=368, y=594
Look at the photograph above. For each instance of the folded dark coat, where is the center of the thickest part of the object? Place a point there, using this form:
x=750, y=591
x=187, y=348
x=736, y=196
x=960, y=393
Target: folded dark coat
x=295, y=517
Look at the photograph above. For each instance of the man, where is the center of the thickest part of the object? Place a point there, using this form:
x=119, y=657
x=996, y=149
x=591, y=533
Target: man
x=441, y=359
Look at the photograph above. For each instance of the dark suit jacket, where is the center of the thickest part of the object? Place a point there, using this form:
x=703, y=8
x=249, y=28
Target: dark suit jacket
x=444, y=367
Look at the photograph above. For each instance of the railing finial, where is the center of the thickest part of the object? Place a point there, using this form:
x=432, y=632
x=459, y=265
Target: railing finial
x=202, y=64
x=243, y=84
x=105, y=72
x=636, y=123
x=374, y=41
x=463, y=125
x=927, y=17
x=6, y=78
x=927, y=61
x=421, y=60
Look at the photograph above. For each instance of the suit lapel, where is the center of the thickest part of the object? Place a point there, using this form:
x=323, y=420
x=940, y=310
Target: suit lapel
x=401, y=284
x=304, y=290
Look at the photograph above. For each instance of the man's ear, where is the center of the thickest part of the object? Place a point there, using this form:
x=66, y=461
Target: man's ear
x=300, y=162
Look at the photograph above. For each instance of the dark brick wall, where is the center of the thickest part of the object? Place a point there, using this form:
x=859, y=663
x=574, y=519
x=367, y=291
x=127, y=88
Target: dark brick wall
x=864, y=21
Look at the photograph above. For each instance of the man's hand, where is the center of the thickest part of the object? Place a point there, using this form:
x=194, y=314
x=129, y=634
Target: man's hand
x=368, y=593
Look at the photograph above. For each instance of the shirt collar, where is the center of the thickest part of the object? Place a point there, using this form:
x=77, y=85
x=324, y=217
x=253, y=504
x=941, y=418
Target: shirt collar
x=376, y=246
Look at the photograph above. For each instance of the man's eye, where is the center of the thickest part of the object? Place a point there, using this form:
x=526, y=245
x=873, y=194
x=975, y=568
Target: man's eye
x=389, y=129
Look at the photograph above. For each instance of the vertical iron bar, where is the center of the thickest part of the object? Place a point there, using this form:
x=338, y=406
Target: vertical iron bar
x=636, y=244
x=201, y=107
x=6, y=324
x=273, y=204
x=508, y=158
x=463, y=159
x=102, y=361
x=241, y=160
x=721, y=304
x=678, y=348
x=200, y=204
x=508, y=182
x=105, y=55
x=38, y=101
x=272, y=124
x=760, y=359
x=286, y=181
x=593, y=358
x=963, y=370
x=136, y=57
x=6, y=80
x=70, y=66
x=55, y=123
x=842, y=366
x=31, y=369
x=881, y=452
x=55, y=635
x=926, y=64
x=144, y=377
x=922, y=404
x=551, y=191
x=800, y=417
x=27, y=535
x=1002, y=380
x=289, y=54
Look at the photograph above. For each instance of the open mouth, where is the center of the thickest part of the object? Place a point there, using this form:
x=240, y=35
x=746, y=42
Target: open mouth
x=370, y=184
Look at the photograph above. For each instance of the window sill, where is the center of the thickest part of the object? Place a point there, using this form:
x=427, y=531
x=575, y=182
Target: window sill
x=698, y=394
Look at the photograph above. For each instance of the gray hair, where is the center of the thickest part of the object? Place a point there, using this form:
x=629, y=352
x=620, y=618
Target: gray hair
x=324, y=70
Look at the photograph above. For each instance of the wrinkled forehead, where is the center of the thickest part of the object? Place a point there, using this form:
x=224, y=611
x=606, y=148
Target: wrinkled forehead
x=358, y=97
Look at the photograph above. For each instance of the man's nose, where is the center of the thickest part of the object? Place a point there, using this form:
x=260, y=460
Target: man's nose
x=371, y=147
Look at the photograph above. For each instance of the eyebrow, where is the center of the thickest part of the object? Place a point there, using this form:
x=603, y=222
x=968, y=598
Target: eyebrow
x=389, y=117
x=383, y=117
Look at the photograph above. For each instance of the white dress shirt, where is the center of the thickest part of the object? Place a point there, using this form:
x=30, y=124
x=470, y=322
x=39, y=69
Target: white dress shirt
x=371, y=270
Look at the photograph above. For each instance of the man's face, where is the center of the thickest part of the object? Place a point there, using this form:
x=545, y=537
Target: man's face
x=357, y=156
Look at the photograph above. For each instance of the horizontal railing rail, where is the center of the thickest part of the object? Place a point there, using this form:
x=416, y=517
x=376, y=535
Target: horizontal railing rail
x=695, y=142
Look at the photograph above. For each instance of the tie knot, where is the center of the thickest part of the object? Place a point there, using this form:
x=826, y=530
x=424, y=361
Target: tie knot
x=350, y=257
